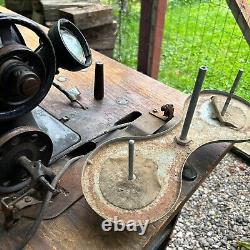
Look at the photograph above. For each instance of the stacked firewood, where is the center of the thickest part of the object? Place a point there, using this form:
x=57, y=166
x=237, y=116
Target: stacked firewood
x=94, y=19
x=96, y=23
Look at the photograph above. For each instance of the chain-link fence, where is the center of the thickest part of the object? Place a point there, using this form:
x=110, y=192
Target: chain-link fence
x=196, y=33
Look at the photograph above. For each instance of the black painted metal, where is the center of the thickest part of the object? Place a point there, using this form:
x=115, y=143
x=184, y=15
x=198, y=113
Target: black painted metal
x=12, y=45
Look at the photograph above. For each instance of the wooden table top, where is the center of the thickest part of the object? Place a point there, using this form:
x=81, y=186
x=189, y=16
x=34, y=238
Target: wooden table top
x=79, y=227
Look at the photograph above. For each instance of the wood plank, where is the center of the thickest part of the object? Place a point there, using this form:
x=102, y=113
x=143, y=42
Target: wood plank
x=100, y=32
x=140, y=92
x=102, y=38
x=85, y=17
x=51, y=7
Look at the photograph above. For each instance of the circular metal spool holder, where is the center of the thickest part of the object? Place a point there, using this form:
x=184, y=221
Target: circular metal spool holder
x=167, y=153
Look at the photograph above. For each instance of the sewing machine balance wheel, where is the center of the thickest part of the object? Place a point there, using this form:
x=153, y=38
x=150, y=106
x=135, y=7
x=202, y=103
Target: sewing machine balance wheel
x=26, y=143
x=26, y=75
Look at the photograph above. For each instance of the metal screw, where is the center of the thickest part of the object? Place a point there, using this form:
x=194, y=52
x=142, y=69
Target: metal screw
x=64, y=119
x=27, y=199
x=235, y=84
x=62, y=78
x=131, y=154
x=192, y=105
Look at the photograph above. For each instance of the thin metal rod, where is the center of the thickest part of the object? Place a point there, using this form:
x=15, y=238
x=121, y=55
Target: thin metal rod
x=131, y=155
x=232, y=91
x=193, y=102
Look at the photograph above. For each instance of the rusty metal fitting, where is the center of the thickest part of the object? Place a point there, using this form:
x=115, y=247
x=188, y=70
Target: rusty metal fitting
x=181, y=141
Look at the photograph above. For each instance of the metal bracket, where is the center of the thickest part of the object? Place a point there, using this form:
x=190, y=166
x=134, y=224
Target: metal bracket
x=12, y=205
x=168, y=112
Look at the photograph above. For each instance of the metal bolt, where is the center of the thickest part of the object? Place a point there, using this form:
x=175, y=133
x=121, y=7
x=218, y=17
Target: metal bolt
x=189, y=173
x=232, y=91
x=131, y=154
x=62, y=78
x=30, y=84
x=192, y=105
x=27, y=199
x=64, y=119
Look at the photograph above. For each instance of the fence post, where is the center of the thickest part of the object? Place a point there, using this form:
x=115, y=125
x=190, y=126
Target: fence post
x=151, y=35
x=241, y=13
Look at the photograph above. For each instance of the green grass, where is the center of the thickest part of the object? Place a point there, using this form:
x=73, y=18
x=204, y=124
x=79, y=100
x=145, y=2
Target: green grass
x=1, y=2
x=195, y=34
x=211, y=38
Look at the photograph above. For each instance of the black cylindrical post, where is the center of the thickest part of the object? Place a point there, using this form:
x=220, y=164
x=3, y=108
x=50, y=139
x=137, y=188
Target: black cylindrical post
x=99, y=81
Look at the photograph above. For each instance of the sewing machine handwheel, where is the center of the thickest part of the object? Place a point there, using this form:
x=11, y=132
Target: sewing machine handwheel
x=23, y=141
x=34, y=70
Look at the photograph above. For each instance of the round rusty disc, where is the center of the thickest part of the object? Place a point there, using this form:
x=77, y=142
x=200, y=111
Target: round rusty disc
x=168, y=179
x=169, y=156
x=129, y=194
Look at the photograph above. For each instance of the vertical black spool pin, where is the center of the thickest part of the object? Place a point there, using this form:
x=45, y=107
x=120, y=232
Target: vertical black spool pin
x=99, y=81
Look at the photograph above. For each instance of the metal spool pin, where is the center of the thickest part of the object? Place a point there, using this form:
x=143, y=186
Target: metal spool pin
x=99, y=81
x=131, y=155
x=182, y=140
x=232, y=91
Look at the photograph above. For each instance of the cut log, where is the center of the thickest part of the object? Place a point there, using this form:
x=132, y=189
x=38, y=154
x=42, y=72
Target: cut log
x=51, y=7
x=102, y=37
x=101, y=32
x=99, y=38
x=88, y=16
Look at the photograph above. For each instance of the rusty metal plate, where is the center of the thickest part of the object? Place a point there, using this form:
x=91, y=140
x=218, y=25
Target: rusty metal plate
x=169, y=156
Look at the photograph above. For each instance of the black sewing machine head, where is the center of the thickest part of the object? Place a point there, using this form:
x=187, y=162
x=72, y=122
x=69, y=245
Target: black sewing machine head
x=26, y=76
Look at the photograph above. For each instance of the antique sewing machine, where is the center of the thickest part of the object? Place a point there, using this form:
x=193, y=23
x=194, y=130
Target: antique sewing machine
x=57, y=145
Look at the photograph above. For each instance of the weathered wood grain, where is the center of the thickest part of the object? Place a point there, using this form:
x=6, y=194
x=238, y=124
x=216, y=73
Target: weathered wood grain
x=51, y=7
x=97, y=33
x=85, y=17
x=102, y=38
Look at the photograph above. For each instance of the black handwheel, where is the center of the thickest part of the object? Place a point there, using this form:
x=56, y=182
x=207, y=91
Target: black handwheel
x=25, y=75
